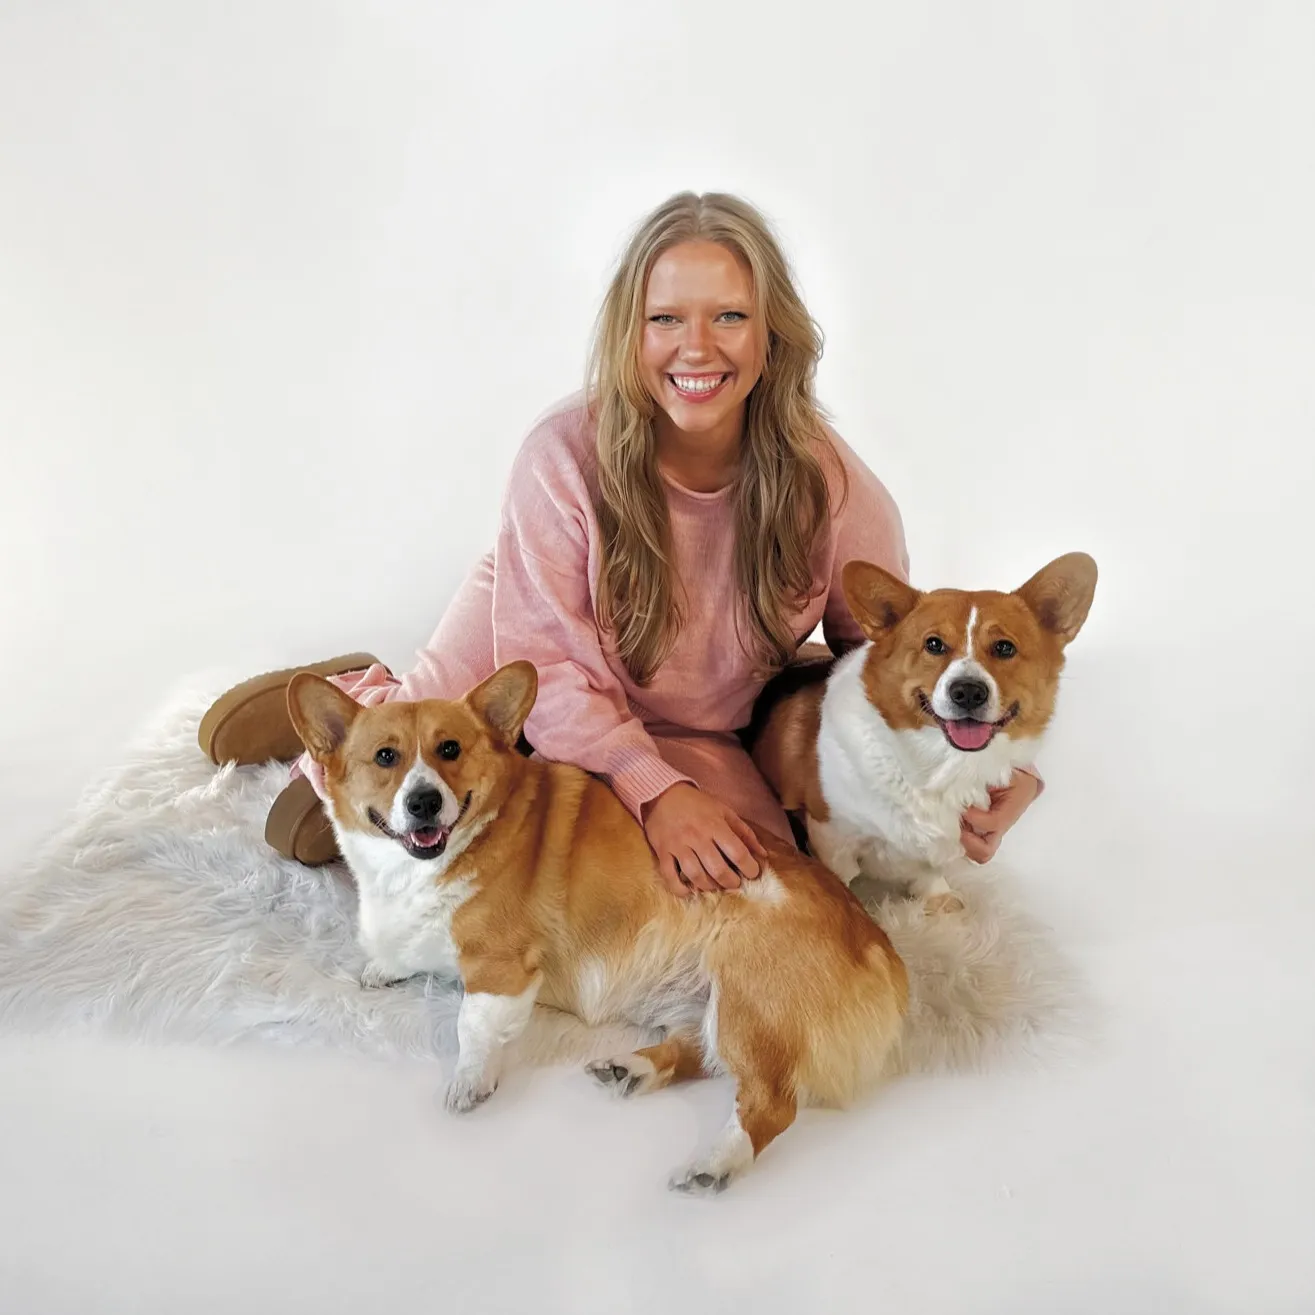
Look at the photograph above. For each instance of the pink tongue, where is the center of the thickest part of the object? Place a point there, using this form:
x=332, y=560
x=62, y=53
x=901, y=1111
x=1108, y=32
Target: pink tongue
x=969, y=734
x=426, y=838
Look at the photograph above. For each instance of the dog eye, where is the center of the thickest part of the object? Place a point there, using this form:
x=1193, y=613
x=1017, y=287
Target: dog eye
x=935, y=644
x=386, y=757
x=449, y=749
x=1002, y=648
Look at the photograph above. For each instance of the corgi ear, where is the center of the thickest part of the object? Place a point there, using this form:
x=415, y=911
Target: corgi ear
x=504, y=700
x=321, y=714
x=878, y=600
x=1060, y=594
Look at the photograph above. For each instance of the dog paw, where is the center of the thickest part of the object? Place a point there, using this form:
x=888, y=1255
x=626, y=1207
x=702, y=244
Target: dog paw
x=625, y=1076
x=945, y=902
x=375, y=975
x=699, y=1180
x=466, y=1090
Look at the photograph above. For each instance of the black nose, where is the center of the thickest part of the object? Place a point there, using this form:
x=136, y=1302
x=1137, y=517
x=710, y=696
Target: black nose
x=968, y=694
x=424, y=805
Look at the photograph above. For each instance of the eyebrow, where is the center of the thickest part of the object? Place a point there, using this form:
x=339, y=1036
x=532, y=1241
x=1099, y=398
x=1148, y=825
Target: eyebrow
x=665, y=308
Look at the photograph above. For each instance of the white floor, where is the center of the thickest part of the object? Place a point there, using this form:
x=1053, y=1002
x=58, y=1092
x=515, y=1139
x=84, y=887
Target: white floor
x=1172, y=1170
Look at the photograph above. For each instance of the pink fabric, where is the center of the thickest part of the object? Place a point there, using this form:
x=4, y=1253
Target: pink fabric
x=534, y=597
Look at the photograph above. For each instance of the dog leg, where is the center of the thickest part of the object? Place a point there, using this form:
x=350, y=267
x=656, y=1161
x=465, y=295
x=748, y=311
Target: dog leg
x=762, y=1112
x=486, y=1023
x=937, y=896
x=677, y=1058
x=376, y=974
x=837, y=853
x=742, y=1040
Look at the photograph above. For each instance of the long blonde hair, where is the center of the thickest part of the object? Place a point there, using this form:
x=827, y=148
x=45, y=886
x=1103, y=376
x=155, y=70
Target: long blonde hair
x=781, y=496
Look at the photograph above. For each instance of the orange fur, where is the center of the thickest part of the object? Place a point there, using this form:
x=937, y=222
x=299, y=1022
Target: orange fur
x=782, y=734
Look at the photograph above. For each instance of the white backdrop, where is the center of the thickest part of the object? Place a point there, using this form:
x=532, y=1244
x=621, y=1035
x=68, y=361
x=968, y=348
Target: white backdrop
x=283, y=285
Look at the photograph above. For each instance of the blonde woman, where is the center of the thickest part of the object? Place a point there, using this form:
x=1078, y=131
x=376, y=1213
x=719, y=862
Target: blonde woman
x=667, y=542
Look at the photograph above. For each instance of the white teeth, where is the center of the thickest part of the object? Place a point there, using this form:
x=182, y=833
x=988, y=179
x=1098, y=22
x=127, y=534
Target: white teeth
x=697, y=383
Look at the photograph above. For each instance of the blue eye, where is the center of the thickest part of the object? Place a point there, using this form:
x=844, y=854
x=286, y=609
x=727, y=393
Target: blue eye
x=734, y=316
x=662, y=319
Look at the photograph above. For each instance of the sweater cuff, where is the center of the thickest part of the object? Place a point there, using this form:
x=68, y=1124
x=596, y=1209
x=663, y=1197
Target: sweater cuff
x=638, y=776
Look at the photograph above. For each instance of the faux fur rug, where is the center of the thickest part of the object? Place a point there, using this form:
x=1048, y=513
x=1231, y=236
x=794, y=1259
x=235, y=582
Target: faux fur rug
x=159, y=912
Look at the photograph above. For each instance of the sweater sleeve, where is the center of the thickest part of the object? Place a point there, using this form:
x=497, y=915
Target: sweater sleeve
x=543, y=612
x=866, y=526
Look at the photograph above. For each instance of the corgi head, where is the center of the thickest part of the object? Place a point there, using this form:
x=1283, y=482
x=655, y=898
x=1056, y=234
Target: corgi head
x=413, y=772
x=973, y=665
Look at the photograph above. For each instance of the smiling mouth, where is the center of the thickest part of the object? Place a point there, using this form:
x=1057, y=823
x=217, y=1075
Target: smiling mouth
x=424, y=842
x=698, y=387
x=967, y=734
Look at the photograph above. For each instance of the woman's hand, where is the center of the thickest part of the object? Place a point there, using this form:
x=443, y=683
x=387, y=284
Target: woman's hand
x=982, y=829
x=700, y=843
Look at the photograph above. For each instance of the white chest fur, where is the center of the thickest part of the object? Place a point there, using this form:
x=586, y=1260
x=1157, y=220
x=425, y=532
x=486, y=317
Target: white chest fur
x=896, y=797
x=405, y=909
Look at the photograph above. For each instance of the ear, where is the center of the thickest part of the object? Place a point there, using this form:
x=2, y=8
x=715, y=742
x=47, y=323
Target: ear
x=504, y=700
x=878, y=600
x=321, y=714
x=1060, y=594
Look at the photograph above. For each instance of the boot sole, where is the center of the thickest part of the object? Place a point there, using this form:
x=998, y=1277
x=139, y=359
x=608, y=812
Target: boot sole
x=269, y=684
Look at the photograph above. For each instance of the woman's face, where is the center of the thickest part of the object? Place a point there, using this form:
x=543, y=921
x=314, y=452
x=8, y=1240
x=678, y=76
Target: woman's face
x=702, y=349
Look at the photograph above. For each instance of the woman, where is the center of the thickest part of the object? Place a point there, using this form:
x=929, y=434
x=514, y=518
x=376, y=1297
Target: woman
x=666, y=544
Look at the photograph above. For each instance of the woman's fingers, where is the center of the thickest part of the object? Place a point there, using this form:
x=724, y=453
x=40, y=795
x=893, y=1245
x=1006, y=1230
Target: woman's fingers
x=671, y=877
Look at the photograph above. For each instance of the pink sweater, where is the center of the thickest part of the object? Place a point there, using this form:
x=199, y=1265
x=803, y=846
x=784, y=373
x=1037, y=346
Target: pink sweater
x=589, y=711
x=533, y=598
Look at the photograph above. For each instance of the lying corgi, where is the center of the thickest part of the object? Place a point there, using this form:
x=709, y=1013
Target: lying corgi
x=883, y=749
x=531, y=882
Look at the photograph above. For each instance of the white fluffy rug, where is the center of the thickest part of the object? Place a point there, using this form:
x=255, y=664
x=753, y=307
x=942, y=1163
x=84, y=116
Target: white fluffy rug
x=159, y=912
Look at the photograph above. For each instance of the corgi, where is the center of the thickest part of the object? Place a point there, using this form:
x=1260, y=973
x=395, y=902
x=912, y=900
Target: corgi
x=531, y=883
x=882, y=749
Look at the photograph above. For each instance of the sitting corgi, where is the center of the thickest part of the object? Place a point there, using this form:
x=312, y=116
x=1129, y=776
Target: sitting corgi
x=884, y=748
x=531, y=882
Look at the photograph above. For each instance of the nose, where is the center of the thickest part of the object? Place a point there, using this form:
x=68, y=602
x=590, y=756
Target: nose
x=698, y=339
x=968, y=695
x=423, y=806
